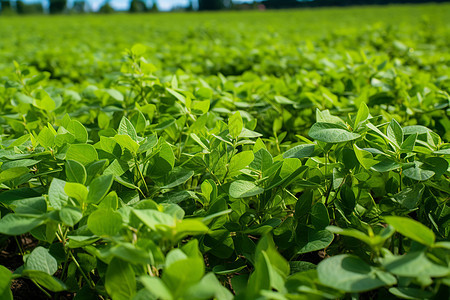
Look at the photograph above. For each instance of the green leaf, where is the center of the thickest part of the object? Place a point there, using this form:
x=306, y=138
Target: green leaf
x=239, y=161
x=126, y=142
x=131, y=253
x=414, y=264
x=230, y=268
x=120, y=280
x=41, y=260
x=56, y=194
x=46, y=138
x=157, y=287
x=416, y=129
x=154, y=219
x=246, y=133
x=82, y=153
x=127, y=128
x=362, y=115
x=412, y=229
x=177, y=95
x=209, y=288
x=182, y=274
x=364, y=157
x=115, y=94
x=138, y=49
x=36, y=79
x=316, y=240
x=381, y=134
x=410, y=293
x=148, y=144
x=95, y=168
x=49, y=282
x=139, y=122
x=351, y=274
x=16, y=224
x=319, y=216
x=163, y=163
x=395, y=132
x=418, y=172
x=110, y=201
x=260, y=278
x=442, y=152
x=436, y=164
x=283, y=100
x=301, y=266
x=235, y=125
x=5, y=279
x=386, y=165
x=105, y=222
x=351, y=233
x=303, y=206
x=176, y=177
x=277, y=261
x=98, y=188
x=78, y=130
x=299, y=151
x=200, y=106
x=23, y=98
x=13, y=173
x=324, y=116
x=331, y=133
x=409, y=143
x=34, y=206
x=70, y=215
x=75, y=171
x=76, y=191
x=243, y=189
x=410, y=197
x=44, y=101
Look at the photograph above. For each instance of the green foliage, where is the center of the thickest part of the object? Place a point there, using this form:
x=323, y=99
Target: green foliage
x=246, y=164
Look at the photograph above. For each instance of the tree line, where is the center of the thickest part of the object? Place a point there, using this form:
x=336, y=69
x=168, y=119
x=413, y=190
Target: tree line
x=80, y=6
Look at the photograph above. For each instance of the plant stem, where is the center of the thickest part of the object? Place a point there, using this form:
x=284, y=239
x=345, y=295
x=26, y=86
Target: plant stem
x=19, y=246
x=136, y=163
x=42, y=289
x=89, y=281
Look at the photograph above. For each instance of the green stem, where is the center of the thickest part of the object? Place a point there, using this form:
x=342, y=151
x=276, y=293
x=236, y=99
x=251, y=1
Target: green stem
x=88, y=280
x=328, y=194
x=140, y=174
x=42, y=289
x=228, y=160
x=19, y=246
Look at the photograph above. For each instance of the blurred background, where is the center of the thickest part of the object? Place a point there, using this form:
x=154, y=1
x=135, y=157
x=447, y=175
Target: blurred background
x=11, y=7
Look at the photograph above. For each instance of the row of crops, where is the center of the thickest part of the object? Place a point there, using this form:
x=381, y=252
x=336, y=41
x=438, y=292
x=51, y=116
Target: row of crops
x=257, y=155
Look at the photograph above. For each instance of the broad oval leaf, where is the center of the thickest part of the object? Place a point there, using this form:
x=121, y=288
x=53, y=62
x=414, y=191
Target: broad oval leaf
x=351, y=274
x=414, y=264
x=120, y=280
x=82, y=153
x=98, y=188
x=299, y=151
x=412, y=229
x=418, y=173
x=331, y=133
x=243, y=189
x=16, y=224
x=105, y=222
x=41, y=260
x=75, y=171
x=235, y=125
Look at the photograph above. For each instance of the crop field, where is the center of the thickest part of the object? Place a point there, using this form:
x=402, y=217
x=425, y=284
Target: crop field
x=296, y=154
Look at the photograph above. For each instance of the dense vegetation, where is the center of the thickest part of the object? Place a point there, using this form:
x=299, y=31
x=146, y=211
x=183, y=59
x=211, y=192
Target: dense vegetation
x=259, y=155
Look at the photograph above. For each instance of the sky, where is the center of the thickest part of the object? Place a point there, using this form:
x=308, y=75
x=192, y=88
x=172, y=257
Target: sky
x=124, y=4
